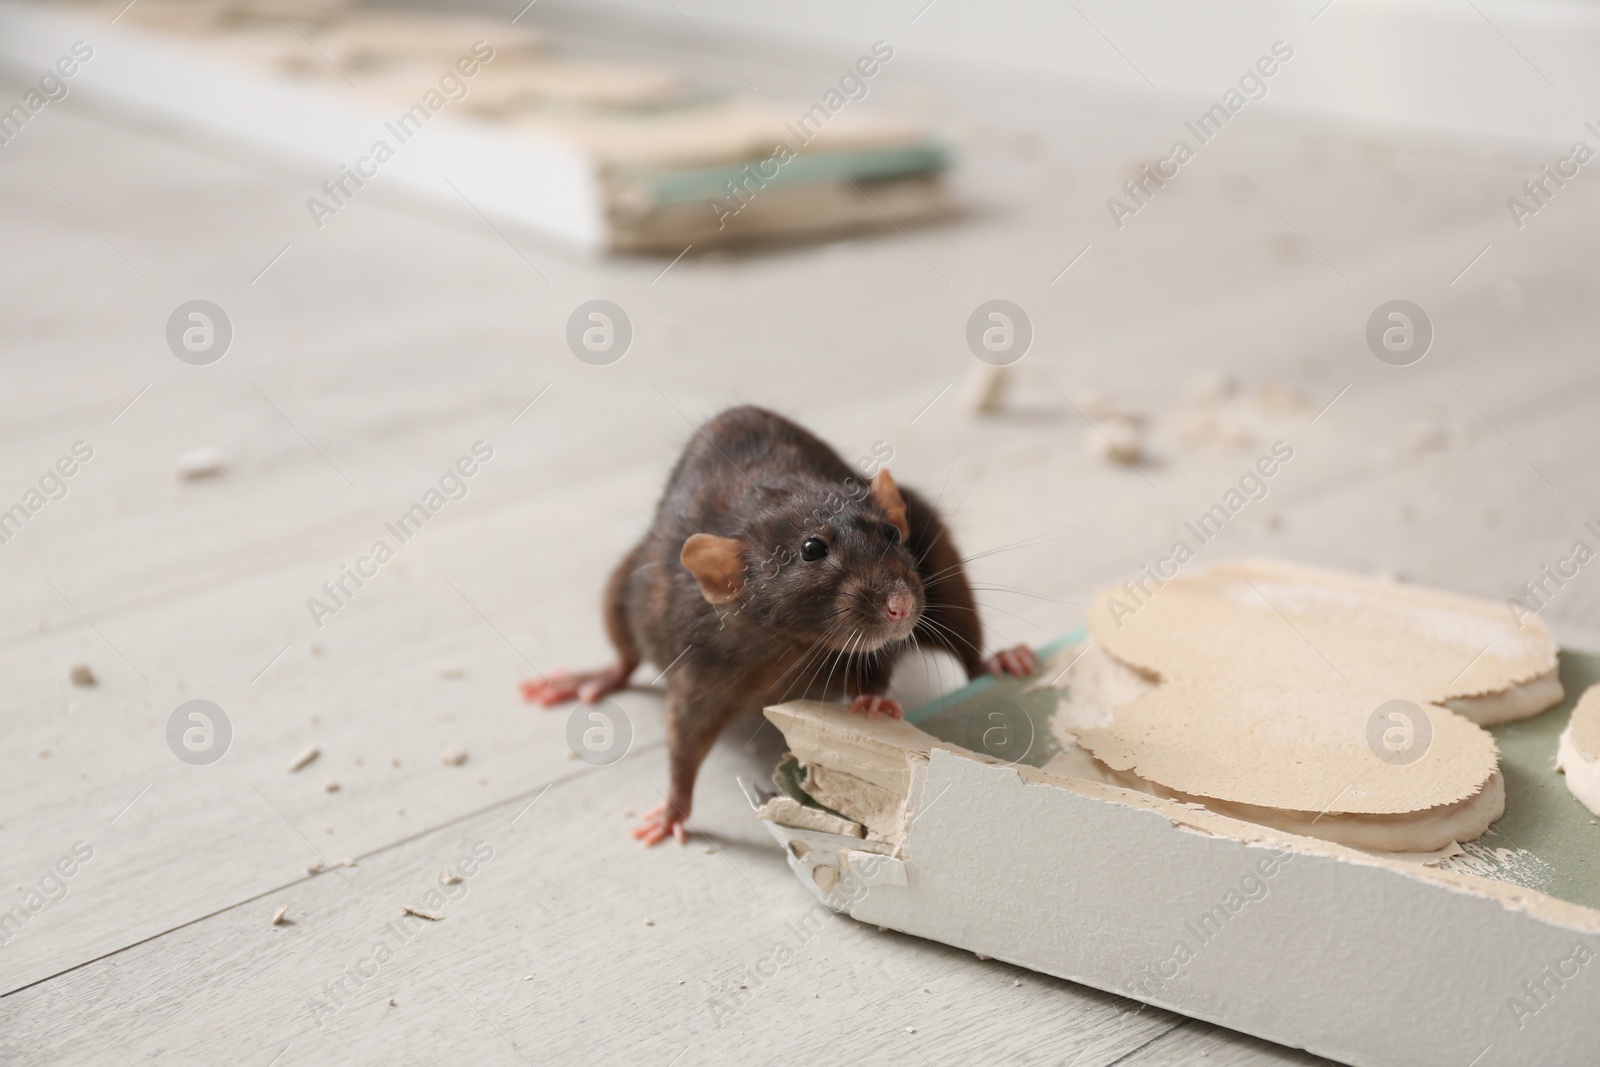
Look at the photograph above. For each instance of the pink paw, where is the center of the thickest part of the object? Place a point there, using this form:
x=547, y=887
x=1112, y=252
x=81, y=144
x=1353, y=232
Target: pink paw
x=549, y=691
x=659, y=823
x=560, y=686
x=1019, y=662
x=873, y=706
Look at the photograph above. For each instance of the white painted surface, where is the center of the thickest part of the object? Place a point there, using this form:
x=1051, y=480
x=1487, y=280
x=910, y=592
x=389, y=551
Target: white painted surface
x=1500, y=67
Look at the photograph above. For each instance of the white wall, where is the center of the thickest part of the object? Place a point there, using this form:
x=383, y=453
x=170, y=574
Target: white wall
x=1474, y=65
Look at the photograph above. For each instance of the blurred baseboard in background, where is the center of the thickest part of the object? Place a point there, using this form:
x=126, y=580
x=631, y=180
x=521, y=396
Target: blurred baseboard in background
x=596, y=155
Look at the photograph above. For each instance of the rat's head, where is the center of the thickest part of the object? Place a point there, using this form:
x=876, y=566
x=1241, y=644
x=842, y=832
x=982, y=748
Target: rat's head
x=818, y=563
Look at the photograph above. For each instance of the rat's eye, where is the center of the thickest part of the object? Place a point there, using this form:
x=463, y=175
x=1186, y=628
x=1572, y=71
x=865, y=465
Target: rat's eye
x=814, y=549
x=892, y=532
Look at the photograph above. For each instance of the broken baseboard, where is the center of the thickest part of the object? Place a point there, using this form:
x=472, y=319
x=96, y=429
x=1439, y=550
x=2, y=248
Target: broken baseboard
x=1367, y=959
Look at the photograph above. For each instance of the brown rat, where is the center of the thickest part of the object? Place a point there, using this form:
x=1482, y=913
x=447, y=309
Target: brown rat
x=774, y=572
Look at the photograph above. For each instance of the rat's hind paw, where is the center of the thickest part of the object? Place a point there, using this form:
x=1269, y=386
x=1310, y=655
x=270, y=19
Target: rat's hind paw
x=1019, y=662
x=560, y=686
x=659, y=824
x=873, y=706
x=550, y=690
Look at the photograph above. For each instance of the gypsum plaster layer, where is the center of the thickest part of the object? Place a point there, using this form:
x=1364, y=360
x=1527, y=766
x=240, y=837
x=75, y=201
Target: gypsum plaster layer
x=1578, y=755
x=1277, y=684
x=1097, y=685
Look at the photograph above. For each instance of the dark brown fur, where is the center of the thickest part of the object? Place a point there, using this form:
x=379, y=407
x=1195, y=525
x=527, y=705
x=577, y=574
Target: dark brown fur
x=797, y=629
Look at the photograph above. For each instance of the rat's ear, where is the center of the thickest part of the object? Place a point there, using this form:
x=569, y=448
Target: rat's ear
x=887, y=494
x=717, y=564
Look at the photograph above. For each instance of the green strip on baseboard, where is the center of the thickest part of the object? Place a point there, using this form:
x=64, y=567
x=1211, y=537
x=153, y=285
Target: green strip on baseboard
x=865, y=165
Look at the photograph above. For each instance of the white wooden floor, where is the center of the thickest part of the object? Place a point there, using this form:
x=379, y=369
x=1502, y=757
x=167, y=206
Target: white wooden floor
x=378, y=350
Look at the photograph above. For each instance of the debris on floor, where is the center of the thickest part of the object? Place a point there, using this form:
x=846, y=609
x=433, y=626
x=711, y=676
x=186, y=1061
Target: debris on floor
x=1117, y=438
x=985, y=388
x=431, y=916
x=453, y=757
x=278, y=917
x=1281, y=400
x=203, y=462
x=300, y=761
x=82, y=677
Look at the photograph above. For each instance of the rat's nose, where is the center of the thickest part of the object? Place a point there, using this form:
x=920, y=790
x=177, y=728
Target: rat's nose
x=899, y=606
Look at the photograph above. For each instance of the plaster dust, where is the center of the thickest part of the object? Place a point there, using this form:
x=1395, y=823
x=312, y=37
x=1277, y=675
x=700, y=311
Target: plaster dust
x=1578, y=755
x=1515, y=865
x=1270, y=673
x=788, y=811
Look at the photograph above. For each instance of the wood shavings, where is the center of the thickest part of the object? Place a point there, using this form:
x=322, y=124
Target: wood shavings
x=453, y=757
x=330, y=786
x=432, y=917
x=449, y=878
x=81, y=676
x=310, y=753
x=279, y=916
x=316, y=866
x=649, y=922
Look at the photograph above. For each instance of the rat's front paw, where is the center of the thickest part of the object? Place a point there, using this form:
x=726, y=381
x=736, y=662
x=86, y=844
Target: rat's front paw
x=873, y=706
x=661, y=822
x=1019, y=662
